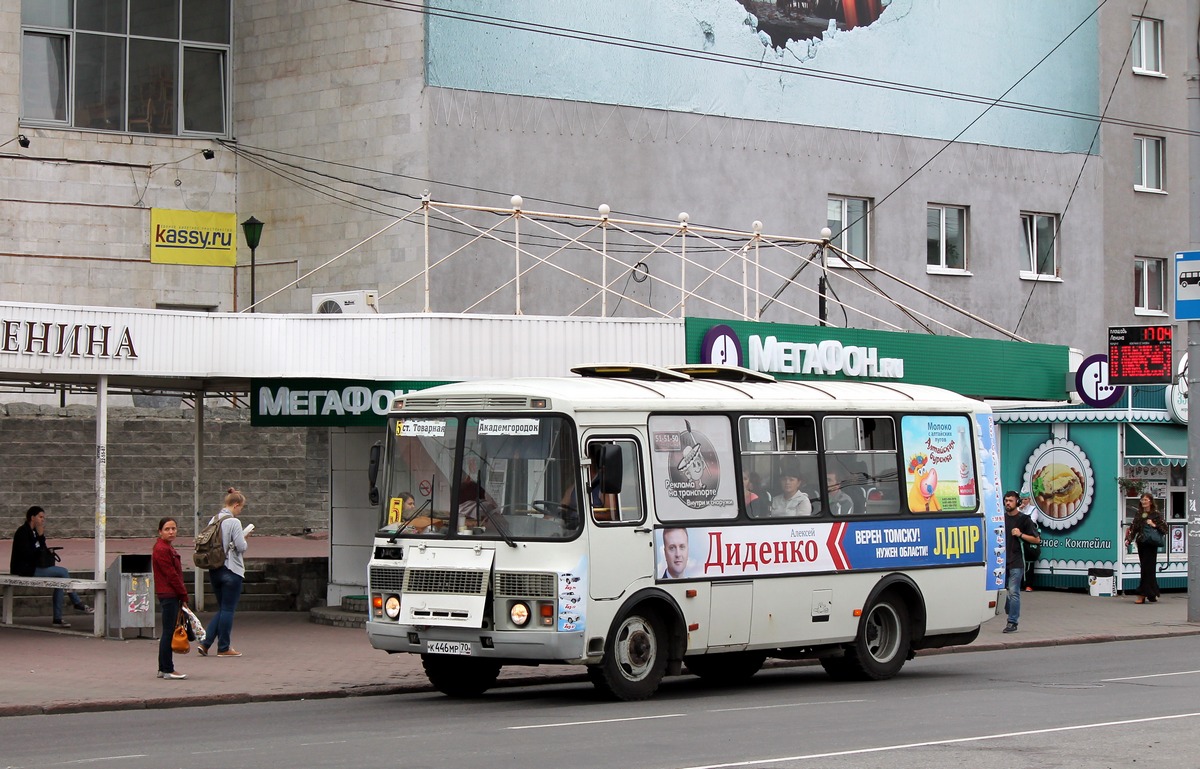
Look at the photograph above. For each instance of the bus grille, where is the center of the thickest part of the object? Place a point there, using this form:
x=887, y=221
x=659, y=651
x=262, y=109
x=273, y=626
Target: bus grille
x=525, y=584
x=453, y=581
x=386, y=578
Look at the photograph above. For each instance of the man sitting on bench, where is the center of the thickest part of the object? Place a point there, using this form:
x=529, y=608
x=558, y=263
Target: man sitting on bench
x=31, y=558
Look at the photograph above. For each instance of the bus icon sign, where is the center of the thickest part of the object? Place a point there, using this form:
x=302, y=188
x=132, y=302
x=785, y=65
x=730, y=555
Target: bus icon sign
x=1187, y=285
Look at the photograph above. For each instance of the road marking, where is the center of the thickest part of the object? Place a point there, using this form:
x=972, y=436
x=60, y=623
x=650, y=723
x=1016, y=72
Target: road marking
x=934, y=743
x=103, y=758
x=601, y=721
x=222, y=750
x=327, y=742
x=1153, y=675
x=787, y=705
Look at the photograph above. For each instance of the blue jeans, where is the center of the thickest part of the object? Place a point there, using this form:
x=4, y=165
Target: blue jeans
x=169, y=609
x=1015, y=575
x=57, y=571
x=227, y=587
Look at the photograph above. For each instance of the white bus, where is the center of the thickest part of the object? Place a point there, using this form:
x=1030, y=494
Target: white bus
x=724, y=518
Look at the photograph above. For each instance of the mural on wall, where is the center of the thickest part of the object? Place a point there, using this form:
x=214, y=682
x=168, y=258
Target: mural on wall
x=1058, y=479
x=905, y=67
x=786, y=20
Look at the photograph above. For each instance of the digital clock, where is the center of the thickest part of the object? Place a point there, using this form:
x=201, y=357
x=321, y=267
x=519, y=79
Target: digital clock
x=1140, y=355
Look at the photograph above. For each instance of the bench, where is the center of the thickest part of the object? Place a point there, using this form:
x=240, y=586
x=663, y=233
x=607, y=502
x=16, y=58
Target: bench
x=98, y=587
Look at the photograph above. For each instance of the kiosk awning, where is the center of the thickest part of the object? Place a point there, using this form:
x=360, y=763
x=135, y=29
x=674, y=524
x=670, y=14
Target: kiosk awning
x=1150, y=444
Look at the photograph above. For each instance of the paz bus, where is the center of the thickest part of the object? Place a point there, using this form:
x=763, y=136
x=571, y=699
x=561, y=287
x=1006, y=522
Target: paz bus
x=641, y=520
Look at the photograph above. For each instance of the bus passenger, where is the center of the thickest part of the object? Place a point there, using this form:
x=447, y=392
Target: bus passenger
x=791, y=501
x=675, y=552
x=839, y=501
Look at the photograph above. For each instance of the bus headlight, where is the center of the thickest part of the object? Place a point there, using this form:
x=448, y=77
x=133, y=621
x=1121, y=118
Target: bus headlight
x=391, y=606
x=519, y=614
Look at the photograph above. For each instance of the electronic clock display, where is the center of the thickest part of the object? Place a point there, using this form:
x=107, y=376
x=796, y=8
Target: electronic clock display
x=1139, y=355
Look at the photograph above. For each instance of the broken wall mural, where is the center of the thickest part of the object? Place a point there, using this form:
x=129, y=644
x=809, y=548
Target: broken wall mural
x=924, y=68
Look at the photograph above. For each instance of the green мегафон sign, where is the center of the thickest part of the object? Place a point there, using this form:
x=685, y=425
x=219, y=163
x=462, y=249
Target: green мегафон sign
x=325, y=402
x=980, y=368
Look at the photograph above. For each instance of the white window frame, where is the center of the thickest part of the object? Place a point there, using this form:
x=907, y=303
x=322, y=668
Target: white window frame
x=1149, y=162
x=1142, y=304
x=941, y=268
x=1031, y=245
x=844, y=230
x=1146, y=52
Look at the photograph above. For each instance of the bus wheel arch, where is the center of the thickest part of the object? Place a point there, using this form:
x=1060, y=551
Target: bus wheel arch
x=645, y=643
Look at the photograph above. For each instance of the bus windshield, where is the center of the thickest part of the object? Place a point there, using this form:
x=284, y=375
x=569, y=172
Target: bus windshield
x=494, y=477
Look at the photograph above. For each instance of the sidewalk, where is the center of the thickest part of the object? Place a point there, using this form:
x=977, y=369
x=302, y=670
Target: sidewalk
x=286, y=657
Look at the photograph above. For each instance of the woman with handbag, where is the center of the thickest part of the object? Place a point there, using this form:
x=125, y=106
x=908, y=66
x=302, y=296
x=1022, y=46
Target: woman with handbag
x=1148, y=531
x=171, y=593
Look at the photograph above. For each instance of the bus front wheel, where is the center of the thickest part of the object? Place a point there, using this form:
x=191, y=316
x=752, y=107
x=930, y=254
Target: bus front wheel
x=635, y=660
x=458, y=677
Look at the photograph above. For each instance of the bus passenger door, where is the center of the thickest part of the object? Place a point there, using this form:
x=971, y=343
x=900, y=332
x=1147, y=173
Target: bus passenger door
x=620, y=543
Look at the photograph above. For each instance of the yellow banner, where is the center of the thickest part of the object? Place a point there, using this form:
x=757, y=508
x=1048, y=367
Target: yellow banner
x=193, y=237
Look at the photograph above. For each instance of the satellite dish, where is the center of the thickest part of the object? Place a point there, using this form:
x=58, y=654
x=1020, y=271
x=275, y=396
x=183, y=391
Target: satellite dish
x=329, y=307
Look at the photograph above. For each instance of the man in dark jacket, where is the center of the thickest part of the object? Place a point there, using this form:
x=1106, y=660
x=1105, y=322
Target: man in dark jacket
x=1021, y=531
x=31, y=558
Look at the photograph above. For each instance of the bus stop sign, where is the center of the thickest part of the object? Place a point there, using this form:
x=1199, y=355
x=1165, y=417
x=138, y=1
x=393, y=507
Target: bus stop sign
x=1187, y=285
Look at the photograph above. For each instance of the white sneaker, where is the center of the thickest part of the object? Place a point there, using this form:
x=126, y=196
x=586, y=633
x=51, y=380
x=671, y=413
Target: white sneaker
x=175, y=676
x=158, y=674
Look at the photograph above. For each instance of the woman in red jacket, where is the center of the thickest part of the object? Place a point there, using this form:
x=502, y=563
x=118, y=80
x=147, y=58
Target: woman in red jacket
x=170, y=590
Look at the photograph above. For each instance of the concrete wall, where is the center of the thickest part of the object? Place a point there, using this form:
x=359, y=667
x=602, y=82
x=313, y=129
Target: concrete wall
x=47, y=458
x=338, y=87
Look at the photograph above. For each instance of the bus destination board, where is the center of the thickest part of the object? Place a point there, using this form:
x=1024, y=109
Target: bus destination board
x=1139, y=355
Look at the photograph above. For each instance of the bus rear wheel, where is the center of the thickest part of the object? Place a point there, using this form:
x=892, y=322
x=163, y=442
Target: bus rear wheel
x=881, y=647
x=726, y=669
x=459, y=677
x=635, y=660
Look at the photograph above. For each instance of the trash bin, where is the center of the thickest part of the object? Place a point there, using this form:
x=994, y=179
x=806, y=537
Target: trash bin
x=130, y=596
x=1101, y=582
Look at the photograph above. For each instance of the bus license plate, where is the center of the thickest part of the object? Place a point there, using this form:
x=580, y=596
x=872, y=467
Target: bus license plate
x=448, y=647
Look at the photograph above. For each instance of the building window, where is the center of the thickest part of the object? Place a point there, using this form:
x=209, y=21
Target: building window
x=1041, y=253
x=1149, y=285
x=946, y=238
x=848, y=219
x=1148, y=163
x=1147, y=46
x=137, y=66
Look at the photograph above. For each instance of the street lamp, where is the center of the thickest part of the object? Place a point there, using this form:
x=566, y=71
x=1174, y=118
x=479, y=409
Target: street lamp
x=253, y=231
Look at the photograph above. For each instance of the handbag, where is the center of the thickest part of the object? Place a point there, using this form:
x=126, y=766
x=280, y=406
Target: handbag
x=179, y=639
x=1151, y=535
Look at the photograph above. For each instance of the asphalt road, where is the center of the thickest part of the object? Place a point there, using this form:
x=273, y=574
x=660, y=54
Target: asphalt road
x=1133, y=703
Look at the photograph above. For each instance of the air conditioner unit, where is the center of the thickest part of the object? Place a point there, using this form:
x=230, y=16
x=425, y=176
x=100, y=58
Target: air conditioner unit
x=346, y=302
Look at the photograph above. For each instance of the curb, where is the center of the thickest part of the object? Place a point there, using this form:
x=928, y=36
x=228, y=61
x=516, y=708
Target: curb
x=378, y=690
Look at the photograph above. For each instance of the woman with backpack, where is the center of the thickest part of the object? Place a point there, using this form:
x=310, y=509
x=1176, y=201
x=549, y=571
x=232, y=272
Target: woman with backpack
x=1148, y=530
x=226, y=580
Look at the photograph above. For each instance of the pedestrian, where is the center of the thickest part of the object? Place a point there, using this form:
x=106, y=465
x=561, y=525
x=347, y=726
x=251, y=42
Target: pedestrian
x=1146, y=520
x=1032, y=551
x=170, y=591
x=31, y=558
x=226, y=580
x=1021, y=530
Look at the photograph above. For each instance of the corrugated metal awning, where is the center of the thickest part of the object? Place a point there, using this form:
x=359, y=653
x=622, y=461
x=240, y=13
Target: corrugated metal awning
x=1160, y=445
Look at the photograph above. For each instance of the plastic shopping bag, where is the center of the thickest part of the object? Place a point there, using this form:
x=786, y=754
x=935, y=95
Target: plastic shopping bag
x=196, y=627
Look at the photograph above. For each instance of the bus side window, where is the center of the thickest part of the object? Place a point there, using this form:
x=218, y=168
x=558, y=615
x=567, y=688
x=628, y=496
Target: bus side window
x=624, y=505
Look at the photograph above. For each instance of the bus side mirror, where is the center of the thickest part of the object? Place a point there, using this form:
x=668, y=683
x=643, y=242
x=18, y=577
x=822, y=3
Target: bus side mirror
x=373, y=472
x=607, y=459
